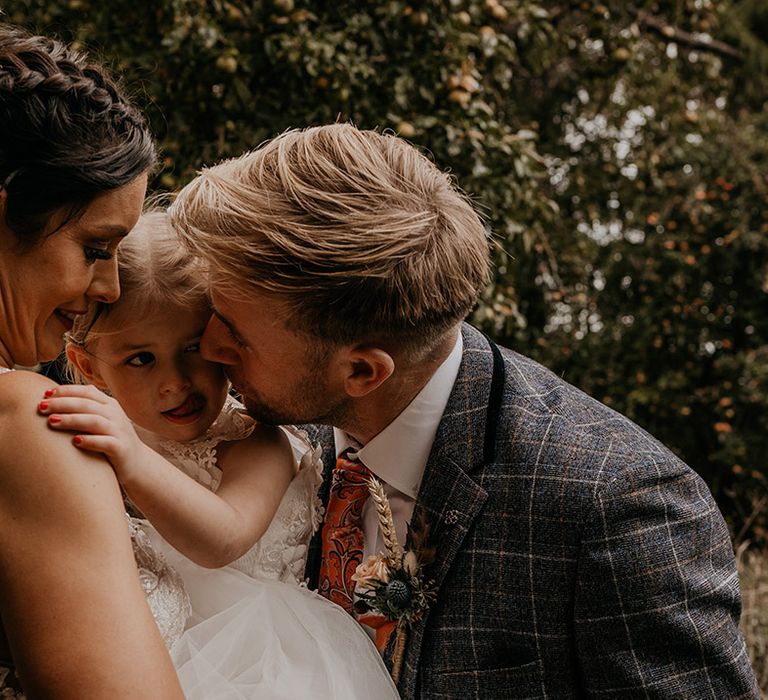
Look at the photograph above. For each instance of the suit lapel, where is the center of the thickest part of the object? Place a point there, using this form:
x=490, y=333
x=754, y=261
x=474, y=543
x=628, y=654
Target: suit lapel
x=449, y=496
x=451, y=513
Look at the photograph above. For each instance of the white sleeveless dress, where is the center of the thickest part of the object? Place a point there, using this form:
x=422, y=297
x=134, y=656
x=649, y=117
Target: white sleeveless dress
x=251, y=629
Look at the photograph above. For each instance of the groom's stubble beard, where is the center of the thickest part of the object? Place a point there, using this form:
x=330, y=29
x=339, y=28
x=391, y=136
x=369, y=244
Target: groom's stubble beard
x=308, y=399
x=297, y=414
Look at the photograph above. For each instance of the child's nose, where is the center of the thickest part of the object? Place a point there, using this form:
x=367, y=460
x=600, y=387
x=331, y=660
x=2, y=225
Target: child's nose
x=175, y=381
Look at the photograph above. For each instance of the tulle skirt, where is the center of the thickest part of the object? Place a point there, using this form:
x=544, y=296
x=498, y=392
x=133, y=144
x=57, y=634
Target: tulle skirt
x=257, y=638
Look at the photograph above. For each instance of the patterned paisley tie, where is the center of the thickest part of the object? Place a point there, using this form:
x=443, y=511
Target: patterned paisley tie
x=343, y=531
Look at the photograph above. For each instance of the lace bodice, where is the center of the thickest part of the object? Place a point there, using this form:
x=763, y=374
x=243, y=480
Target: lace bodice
x=163, y=587
x=282, y=551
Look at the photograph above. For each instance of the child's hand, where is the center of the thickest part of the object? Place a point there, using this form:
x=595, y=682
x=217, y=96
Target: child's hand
x=100, y=422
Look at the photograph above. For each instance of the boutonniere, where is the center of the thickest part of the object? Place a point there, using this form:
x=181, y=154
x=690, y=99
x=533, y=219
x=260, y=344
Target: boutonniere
x=391, y=588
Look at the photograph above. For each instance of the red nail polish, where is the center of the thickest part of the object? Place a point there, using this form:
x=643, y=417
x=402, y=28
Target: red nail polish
x=43, y=405
x=77, y=439
x=54, y=419
x=49, y=392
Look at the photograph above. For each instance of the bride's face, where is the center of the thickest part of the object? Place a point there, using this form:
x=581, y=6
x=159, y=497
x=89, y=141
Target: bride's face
x=43, y=289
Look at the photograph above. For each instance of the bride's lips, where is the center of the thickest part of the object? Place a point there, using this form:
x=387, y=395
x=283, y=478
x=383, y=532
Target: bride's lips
x=188, y=411
x=67, y=317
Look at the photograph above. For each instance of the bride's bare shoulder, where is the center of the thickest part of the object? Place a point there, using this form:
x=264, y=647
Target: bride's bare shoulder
x=20, y=393
x=36, y=460
x=21, y=390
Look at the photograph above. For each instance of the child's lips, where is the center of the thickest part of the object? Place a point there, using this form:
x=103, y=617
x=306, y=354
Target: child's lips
x=187, y=411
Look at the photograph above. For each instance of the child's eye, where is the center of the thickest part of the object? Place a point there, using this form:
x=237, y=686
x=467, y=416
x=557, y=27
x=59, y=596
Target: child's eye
x=140, y=359
x=92, y=254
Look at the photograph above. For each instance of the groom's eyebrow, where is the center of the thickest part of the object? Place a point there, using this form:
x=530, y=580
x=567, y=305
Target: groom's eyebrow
x=229, y=325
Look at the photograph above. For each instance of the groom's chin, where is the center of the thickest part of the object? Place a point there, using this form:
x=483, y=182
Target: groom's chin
x=261, y=413
x=251, y=407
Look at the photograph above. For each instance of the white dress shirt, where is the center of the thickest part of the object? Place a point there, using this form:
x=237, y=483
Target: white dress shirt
x=398, y=454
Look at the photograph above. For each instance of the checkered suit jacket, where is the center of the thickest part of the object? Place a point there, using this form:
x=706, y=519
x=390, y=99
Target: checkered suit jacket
x=577, y=557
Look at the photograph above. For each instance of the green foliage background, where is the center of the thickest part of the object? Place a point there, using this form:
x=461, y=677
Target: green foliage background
x=618, y=151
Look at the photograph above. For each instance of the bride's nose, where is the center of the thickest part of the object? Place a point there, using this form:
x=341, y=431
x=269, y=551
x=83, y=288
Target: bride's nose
x=105, y=285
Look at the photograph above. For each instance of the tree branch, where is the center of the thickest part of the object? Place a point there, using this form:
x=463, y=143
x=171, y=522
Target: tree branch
x=697, y=41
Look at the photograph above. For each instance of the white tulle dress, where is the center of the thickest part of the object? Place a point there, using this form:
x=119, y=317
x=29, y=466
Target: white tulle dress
x=252, y=630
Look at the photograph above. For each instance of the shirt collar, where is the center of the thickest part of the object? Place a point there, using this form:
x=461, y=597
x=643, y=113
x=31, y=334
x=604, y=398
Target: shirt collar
x=398, y=454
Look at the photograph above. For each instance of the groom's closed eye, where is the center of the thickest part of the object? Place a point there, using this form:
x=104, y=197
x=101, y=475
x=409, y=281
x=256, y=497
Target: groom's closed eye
x=236, y=338
x=233, y=334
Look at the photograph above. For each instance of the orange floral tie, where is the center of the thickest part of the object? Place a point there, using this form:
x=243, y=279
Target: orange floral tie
x=343, y=531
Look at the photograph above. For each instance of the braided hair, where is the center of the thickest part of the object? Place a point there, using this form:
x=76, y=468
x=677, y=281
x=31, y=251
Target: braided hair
x=67, y=132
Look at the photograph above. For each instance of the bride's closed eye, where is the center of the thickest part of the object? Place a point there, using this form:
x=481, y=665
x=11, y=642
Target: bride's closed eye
x=97, y=252
x=140, y=359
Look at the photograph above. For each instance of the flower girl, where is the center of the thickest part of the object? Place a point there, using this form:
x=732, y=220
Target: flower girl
x=225, y=513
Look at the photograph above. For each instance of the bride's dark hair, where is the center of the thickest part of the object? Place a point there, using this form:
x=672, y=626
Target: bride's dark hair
x=67, y=132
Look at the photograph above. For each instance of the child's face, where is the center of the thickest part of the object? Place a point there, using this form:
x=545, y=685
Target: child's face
x=154, y=370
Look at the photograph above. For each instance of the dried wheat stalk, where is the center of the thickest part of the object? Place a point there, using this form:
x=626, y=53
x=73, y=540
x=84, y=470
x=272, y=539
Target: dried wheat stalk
x=386, y=523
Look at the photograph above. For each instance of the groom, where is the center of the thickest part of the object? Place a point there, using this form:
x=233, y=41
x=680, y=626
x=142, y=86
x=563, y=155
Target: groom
x=574, y=555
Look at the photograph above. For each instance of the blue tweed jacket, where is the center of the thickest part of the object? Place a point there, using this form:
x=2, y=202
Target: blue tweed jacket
x=576, y=556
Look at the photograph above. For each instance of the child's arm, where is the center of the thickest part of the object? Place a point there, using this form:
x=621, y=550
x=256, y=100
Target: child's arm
x=211, y=529
x=214, y=529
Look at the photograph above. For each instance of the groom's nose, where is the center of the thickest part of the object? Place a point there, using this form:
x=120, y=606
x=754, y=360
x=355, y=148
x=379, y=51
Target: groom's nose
x=217, y=345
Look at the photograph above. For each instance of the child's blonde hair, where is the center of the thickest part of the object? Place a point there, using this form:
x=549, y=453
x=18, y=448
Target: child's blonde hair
x=155, y=271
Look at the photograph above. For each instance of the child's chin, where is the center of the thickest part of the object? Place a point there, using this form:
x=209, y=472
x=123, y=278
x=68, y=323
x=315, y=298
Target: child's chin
x=185, y=432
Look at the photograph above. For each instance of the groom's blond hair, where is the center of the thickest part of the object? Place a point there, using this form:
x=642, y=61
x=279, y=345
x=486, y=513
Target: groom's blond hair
x=356, y=232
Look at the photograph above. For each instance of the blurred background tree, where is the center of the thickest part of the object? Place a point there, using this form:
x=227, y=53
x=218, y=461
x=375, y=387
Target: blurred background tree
x=618, y=151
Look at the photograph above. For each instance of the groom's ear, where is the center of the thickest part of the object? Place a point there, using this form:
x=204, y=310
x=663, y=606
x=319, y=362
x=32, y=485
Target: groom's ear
x=84, y=364
x=368, y=367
